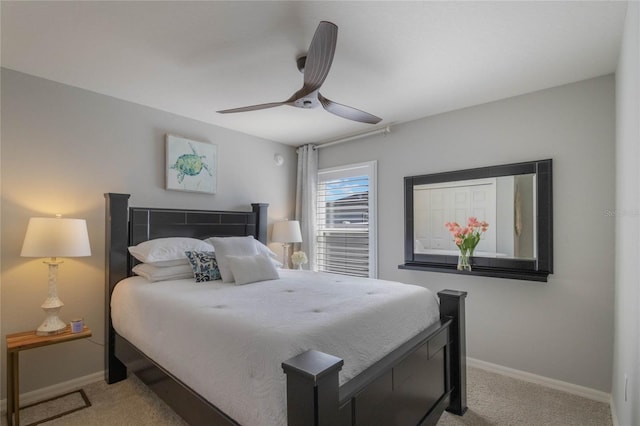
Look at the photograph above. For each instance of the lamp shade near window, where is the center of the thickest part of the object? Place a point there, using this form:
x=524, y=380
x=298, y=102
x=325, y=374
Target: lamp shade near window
x=286, y=232
x=52, y=238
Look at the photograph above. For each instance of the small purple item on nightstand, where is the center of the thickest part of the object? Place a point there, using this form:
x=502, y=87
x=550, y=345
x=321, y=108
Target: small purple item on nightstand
x=76, y=325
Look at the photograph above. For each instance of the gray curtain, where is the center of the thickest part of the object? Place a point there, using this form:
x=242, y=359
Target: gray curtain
x=306, y=188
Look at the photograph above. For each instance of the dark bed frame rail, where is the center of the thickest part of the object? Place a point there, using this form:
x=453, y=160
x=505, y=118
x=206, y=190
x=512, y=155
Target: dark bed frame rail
x=412, y=385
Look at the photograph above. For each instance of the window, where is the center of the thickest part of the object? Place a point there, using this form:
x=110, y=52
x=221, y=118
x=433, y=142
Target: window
x=346, y=220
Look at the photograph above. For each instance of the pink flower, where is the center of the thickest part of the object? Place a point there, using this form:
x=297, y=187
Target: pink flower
x=452, y=226
x=467, y=238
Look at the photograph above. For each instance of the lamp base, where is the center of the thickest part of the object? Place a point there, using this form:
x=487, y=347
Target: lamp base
x=52, y=324
x=52, y=305
x=285, y=256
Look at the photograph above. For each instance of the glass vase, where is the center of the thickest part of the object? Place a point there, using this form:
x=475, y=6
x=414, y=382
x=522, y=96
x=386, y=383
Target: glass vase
x=464, y=261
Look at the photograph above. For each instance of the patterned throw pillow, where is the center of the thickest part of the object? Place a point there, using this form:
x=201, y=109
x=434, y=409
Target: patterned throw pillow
x=204, y=265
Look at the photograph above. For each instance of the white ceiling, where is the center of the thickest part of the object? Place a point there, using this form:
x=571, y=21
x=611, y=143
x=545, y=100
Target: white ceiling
x=398, y=60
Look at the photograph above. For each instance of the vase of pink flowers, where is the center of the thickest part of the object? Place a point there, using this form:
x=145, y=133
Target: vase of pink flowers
x=466, y=238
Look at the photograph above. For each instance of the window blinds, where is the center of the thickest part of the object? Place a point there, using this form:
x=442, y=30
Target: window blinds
x=343, y=239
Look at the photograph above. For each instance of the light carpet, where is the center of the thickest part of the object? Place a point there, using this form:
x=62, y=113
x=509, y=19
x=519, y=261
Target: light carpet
x=493, y=399
x=59, y=406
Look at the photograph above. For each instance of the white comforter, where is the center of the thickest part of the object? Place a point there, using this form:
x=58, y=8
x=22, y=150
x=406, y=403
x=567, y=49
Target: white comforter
x=228, y=342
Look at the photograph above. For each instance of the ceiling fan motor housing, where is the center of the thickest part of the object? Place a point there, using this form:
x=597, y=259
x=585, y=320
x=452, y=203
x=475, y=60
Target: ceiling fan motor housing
x=308, y=102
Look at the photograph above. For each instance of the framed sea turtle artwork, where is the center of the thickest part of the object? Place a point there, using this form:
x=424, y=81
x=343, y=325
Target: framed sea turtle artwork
x=191, y=165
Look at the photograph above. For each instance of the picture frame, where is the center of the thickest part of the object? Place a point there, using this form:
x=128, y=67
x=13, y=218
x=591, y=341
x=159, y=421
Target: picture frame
x=191, y=165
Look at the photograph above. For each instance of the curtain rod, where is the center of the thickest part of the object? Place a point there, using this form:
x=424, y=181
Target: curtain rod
x=385, y=130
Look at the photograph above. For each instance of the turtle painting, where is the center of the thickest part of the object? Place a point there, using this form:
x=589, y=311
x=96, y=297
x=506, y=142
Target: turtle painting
x=190, y=164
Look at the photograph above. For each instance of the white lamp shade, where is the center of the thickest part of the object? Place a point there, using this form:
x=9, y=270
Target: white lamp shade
x=287, y=231
x=56, y=237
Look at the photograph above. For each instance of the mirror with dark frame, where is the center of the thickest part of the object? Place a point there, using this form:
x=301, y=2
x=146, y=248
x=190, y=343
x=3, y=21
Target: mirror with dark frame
x=514, y=199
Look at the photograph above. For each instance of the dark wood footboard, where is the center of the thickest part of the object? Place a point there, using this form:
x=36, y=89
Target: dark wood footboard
x=412, y=385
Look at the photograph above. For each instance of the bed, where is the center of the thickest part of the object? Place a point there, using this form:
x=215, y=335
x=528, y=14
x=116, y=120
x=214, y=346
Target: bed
x=412, y=382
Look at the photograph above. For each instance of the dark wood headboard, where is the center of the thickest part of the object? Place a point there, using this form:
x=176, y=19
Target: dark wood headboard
x=127, y=226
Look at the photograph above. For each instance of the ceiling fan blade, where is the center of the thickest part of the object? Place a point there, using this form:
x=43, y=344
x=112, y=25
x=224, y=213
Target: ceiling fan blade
x=348, y=112
x=319, y=58
x=251, y=108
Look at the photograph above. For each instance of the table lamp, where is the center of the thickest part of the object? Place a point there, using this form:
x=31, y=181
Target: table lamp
x=55, y=237
x=286, y=232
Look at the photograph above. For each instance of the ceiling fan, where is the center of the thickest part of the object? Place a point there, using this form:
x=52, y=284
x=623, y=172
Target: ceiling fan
x=315, y=67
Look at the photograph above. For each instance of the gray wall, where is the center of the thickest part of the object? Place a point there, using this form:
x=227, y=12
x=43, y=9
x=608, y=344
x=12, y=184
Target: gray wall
x=626, y=359
x=62, y=148
x=561, y=329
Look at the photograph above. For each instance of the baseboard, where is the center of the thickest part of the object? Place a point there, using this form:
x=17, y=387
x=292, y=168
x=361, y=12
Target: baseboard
x=614, y=416
x=55, y=390
x=582, y=391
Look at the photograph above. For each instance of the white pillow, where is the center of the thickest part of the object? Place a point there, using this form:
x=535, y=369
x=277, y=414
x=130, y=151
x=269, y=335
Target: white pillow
x=167, y=251
x=231, y=246
x=251, y=269
x=167, y=263
x=163, y=273
x=276, y=263
x=262, y=249
x=266, y=251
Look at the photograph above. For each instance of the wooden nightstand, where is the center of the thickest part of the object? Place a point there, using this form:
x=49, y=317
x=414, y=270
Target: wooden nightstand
x=20, y=342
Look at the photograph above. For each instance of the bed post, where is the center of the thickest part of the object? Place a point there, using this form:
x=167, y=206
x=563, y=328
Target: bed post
x=260, y=209
x=312, y=389
x=117, y=231
x=452, y=307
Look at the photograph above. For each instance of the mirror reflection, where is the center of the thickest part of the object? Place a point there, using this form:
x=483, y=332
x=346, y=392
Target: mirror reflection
x=507, y=203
